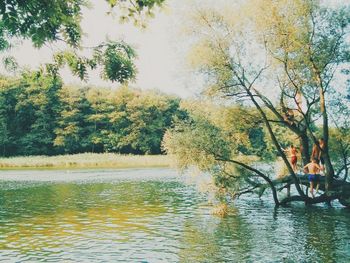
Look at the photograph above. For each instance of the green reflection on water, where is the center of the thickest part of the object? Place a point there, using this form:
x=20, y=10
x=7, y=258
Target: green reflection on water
x=160, y=220
x=47, y=212
x=216, y=240
x=326, y=233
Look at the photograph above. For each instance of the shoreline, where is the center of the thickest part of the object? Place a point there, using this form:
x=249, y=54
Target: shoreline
x=84, y=161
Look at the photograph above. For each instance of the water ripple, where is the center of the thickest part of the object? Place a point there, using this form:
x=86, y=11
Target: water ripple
x=151, y=215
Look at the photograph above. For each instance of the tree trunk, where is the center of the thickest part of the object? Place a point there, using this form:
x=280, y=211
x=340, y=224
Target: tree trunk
x=304, y=147
x=325, y=151
x=275, y=142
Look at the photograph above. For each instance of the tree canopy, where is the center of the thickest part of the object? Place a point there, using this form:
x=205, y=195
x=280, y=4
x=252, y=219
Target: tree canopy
x=279, y=57
x=59, y=20
x=41, y=116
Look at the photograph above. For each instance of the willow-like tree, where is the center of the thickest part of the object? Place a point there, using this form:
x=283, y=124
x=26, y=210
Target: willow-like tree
x=279, y=57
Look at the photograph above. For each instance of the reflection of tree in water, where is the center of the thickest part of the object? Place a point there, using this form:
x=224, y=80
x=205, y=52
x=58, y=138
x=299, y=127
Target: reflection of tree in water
x=238, y=231
x=48, y=199
x=320, y=232
x=216, y=240
x=49, y=215
x=323, y=234
x=197, y=244
x=320, y=236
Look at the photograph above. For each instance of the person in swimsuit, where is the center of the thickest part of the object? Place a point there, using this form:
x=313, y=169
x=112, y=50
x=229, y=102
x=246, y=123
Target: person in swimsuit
x=322, y=145
x=313, y=175
x=292, y=152
x=317, y=152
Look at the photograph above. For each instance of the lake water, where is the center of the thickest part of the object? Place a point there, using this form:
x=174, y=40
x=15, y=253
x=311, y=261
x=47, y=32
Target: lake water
x=154, y=215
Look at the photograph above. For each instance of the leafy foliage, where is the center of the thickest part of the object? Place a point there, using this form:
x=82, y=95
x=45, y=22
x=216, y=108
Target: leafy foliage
x=279, y=57
x=212, y=135
x=59, y=20
x=38, y=115
x=46, y=21
x=139, y=120
x=115, y=58
x=41, y=21
x=28, y=115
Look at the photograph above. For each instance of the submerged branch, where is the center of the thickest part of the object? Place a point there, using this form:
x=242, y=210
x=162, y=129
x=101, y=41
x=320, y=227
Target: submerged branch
x=257, y=172
x=320, y=199
x=245, y=191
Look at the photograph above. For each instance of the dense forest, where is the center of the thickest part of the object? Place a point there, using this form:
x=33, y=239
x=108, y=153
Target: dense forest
x=41, y=116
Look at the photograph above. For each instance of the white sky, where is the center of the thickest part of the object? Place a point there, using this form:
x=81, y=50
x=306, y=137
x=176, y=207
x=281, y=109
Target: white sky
x=160, y=54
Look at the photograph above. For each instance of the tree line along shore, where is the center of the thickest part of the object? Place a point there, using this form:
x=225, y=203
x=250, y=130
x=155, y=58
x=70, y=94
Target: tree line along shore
x=44, y=123
x=41, y=116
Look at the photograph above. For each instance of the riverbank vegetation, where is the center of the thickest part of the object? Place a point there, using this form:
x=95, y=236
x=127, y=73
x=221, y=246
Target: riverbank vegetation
x=85, y=160
x=41, y=116
x=281, y=68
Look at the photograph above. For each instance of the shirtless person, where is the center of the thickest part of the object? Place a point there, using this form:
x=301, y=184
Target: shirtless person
x=317, y=152
x=322, y=145
x=292, y=151
x=314, y=177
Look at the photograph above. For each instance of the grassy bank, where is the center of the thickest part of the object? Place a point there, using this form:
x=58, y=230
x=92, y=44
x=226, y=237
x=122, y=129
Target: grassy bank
x=85, y=160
